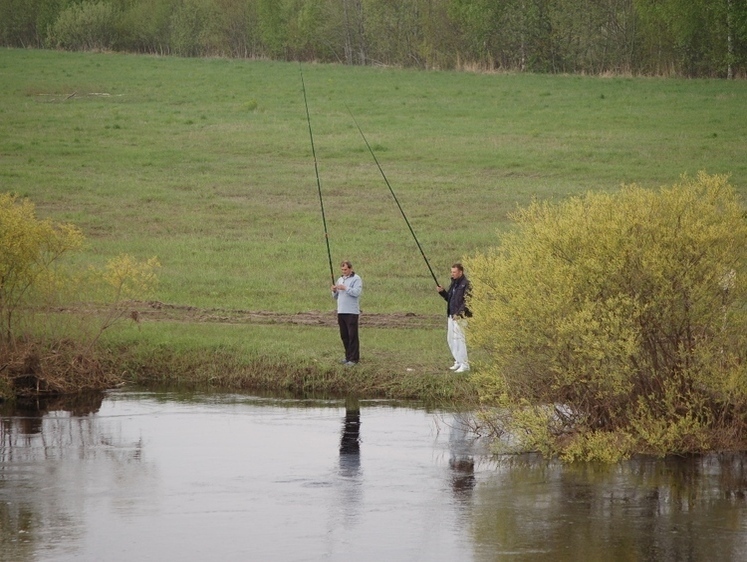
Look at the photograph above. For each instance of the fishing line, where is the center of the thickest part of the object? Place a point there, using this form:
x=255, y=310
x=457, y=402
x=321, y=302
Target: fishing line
x=318, y=181
x=404, y=216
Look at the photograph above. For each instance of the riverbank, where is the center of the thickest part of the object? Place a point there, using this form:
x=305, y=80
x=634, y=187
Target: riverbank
x=404, y=356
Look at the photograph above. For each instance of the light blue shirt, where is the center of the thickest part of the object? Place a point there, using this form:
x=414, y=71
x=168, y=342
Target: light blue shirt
x=348, y=300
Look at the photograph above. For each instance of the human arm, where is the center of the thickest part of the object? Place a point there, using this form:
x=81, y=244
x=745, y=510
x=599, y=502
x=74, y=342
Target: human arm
x=443, y=292
x=354, y=288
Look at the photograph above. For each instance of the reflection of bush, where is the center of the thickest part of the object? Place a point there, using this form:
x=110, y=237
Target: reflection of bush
x=634, y=510
x=79, y=404
x=30, y=410
x=50, y=461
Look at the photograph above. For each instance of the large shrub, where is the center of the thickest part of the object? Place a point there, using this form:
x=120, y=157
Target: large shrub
x=143, y=27
x=193, y=30
x=617, y=322
x=85, y=26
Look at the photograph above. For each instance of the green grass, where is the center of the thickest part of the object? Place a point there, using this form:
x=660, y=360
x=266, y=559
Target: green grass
x=311, y=344
x=258, y=357
x=207, y=164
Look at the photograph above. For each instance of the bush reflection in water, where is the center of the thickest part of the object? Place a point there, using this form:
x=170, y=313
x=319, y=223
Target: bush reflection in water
x=644, y=509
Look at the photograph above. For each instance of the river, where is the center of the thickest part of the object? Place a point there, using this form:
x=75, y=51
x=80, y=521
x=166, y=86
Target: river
x=131, y=475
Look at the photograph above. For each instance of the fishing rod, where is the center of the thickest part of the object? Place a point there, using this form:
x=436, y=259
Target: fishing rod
x=404, y=216
x=318, y=181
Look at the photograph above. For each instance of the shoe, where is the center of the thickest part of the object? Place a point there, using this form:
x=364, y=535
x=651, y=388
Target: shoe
x=343, y=361
x=462, y=369
x=350, y=363
x=455, y=366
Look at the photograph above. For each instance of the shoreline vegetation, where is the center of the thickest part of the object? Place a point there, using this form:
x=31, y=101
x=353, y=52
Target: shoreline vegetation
x=201, y=169
x=150, y=351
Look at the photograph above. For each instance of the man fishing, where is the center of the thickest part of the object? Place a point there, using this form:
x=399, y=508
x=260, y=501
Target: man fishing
x=457, y=312
x=347, y=292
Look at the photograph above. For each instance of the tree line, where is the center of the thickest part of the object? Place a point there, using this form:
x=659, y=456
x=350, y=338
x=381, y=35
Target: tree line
x=692, y=38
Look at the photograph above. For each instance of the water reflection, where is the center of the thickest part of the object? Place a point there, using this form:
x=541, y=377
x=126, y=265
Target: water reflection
x=27, y=414
x=461, y=459
x=194, y=477
x=350, y=436
x=51, y=449
x=350, y=464
x=646, y=509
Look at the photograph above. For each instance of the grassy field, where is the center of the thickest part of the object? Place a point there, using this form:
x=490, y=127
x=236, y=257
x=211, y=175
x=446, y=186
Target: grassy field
x=207, y=164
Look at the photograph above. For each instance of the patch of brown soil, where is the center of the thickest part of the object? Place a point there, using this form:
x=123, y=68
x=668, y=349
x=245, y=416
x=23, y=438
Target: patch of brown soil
x=154, y=311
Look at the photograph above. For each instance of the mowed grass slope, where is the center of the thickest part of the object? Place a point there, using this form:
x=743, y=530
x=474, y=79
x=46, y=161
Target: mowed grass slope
x=207, y=164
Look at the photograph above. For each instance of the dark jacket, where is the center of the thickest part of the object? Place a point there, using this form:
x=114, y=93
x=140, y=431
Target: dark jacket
x=455, y=297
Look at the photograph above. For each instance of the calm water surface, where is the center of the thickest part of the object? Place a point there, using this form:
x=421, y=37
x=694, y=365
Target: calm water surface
x=159, y=476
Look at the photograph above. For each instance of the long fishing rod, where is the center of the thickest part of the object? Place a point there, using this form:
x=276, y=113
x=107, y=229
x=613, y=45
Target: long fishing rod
x=318, y=181
x=404, y=216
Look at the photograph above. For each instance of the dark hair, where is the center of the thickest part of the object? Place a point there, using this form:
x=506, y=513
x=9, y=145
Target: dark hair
x=458, y=266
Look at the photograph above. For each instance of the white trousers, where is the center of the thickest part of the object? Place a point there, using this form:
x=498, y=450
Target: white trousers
x=457, y=341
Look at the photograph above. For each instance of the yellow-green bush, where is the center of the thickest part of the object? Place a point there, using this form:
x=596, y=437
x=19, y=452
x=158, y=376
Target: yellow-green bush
x=53, y=316
x=28, y=249
x=622, y=308
x=111, y=290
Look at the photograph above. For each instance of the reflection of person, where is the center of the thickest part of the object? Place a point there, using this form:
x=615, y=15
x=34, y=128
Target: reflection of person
x=457, y=312
x=350, y=483
x=461, y=462
x=347, y=292
x=350, y=437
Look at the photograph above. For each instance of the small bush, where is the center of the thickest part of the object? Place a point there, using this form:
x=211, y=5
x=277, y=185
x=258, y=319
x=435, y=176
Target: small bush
x=626, y=312
x=52, y=317
x=29, y=248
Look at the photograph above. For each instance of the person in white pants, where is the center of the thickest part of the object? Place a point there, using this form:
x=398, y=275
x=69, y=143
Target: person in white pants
x=457, y=312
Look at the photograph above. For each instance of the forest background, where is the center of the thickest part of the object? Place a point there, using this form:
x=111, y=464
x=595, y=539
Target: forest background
x=687, y=38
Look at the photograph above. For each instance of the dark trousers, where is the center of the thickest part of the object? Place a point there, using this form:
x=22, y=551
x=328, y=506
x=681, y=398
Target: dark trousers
x=349, y=336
